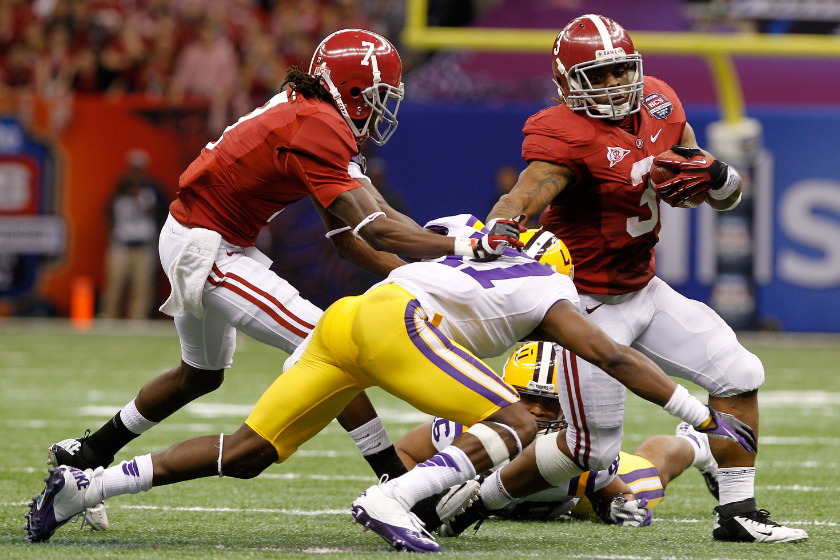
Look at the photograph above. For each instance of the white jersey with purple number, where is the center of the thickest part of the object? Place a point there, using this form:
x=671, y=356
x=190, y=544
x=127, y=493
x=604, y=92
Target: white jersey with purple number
x=547, y=504
x=485, y=306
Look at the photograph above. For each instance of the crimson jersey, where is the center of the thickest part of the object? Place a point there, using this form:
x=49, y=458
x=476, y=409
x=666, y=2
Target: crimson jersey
x=289, y=148
x=608, y=217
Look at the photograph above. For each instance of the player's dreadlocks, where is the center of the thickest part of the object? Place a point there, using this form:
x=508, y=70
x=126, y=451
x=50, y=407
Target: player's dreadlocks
x=306, y=85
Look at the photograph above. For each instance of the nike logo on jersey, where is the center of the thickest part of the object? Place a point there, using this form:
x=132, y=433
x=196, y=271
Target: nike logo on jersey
x=591, y=310
x=229, y=253
x=654, y=137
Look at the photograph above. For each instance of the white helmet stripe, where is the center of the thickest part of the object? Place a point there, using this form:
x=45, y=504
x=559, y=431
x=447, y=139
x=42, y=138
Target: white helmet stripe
x=545, y=365
x=602, y=30
x=537, y=245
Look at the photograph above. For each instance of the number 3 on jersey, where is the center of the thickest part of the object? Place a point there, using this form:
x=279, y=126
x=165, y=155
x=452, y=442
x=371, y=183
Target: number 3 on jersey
x=635, y=225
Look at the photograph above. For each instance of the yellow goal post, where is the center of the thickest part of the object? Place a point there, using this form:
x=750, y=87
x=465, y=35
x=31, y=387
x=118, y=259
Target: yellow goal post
x=717, y=48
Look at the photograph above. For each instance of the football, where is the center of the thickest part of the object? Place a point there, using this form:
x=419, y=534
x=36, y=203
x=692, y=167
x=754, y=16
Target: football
x=660, y=173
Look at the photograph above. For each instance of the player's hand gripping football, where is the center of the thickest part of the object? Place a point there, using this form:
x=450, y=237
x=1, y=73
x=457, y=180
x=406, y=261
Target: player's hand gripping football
x=503, y=234
x=630, y=513
x=701, y=173
x=729, y=428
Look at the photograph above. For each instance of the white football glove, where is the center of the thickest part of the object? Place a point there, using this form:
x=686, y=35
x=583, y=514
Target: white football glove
x=631, y=513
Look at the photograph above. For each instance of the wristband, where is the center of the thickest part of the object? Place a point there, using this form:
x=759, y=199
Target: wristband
x=688, y=408
x=464, y=247
x=733, y=179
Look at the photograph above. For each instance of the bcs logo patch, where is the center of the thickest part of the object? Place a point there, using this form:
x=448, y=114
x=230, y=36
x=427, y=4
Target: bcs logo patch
x=658, y=105
x=614, y=155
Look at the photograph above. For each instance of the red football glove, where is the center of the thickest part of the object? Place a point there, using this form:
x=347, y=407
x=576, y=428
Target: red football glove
x=503, y=234
x=700, y=173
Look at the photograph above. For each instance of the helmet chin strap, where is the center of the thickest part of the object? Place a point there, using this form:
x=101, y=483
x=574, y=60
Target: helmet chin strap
x=342, y=108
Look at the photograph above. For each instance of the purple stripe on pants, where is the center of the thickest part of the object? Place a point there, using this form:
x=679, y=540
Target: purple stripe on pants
x=650, y=494
x=448, y=368
x=639, y=474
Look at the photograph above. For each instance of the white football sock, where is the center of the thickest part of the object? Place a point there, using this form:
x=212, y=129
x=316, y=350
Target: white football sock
x=736, y=484
x=133, y=420
x=448, y=468
x=371, y=437
x=493, y=493
x=700, y=444
x=129, y=477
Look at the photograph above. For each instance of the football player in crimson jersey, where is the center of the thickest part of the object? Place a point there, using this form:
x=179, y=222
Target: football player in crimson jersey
x=588, y=160
x=302, y=143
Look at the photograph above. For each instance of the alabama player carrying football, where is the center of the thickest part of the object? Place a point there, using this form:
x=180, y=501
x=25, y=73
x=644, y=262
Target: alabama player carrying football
x=418, y=335
x=588, y=161
x=642, y=476
x=301, y=143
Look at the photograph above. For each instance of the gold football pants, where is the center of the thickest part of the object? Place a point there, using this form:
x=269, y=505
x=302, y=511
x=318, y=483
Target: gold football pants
x=382, y=338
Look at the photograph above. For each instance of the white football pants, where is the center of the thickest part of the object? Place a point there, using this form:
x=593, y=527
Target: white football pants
x=684, y=337
x=241, y=294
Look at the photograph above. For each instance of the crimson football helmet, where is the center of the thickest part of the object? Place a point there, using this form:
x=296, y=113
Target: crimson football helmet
x=590, y=47
x=363, y=72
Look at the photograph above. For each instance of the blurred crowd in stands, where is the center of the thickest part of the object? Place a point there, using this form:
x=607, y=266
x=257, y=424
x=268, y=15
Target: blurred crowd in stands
x=232, y=54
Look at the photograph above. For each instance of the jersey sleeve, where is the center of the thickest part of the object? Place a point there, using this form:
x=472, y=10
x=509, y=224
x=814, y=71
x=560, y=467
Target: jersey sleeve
x=324, y=182
x=324, y=137
x=537, y=147
x=319, y=155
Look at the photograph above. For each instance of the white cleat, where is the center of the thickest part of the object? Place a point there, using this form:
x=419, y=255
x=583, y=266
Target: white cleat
x=754, y=526
x=96, y=518
x=456, y=500
x=69, y=492
x=380, y=510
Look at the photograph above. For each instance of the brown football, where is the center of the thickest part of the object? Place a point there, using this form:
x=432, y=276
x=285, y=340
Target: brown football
x=660, y=173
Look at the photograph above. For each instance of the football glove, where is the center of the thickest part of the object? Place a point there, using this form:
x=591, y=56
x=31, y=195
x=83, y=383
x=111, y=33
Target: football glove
x=700, y=173
x=503, y=234
x=630, y=513
x=729, y=428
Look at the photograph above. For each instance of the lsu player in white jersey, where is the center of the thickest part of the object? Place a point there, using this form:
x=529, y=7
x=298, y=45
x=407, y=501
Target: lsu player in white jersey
x=419, y=335
x=642, y=476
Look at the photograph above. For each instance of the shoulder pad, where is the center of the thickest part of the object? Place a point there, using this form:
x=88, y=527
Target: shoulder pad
x=561, y=123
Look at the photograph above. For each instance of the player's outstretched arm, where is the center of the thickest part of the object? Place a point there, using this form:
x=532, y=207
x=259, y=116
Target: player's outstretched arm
x=389, y=211
x=354, y=249
x=359, y=210
x=537, y=186
x=566, y=326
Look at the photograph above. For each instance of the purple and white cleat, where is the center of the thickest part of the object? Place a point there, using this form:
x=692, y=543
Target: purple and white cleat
x=68, y=493
x=378, y=510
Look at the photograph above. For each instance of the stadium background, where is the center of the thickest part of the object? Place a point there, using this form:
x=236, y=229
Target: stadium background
x=68, y=124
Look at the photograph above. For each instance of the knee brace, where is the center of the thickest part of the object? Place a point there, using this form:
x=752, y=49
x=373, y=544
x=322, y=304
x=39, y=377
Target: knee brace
x=493, y=443
x=554, y=466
